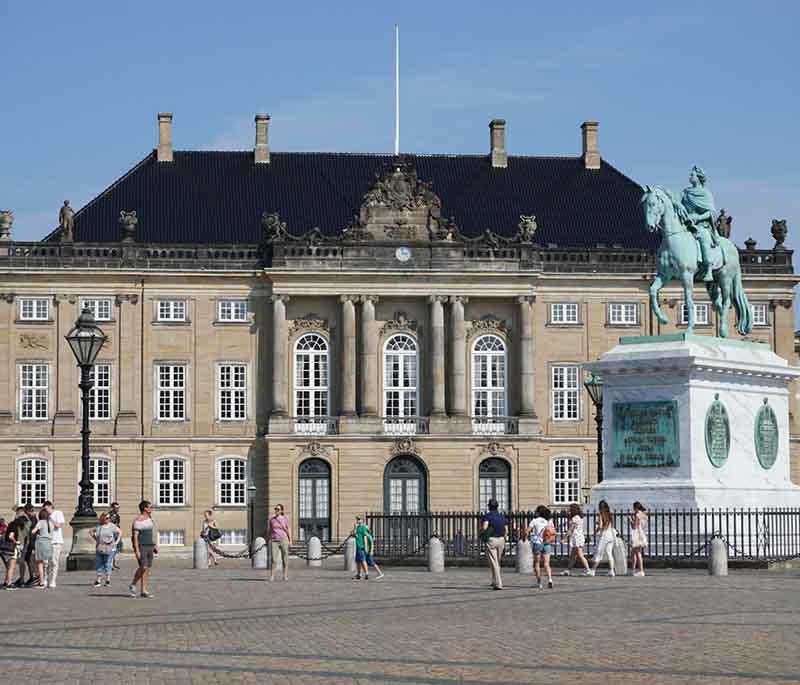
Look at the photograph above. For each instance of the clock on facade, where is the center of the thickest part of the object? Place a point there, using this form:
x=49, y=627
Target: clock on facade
x=403, y=254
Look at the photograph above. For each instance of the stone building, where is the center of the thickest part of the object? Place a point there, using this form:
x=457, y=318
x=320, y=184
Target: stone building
x=345, y=332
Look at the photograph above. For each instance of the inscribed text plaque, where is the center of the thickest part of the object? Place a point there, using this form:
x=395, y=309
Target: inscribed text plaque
x=646, y=434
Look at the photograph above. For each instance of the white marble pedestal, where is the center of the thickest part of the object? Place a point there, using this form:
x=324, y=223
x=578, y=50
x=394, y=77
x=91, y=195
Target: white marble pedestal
x=707, y=379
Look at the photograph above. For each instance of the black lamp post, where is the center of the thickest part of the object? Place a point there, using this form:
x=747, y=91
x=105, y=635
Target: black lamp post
x=594, y=386
x=85, y=340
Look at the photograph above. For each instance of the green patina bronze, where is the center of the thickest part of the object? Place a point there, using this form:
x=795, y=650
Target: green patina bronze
x=691, y=247
x=646, y=434
x=766, y=436
x=718, y=433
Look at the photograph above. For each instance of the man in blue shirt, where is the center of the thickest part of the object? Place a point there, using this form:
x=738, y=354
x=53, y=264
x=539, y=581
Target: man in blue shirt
x=493, y=532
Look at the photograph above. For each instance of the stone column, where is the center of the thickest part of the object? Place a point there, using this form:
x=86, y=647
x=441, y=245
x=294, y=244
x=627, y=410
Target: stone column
x=280, y=344
x=129, y=344
x=348, y=406
x=458, y=336
x=369, y=357
x=528, y=422
x=437, y=354
x=65, y=370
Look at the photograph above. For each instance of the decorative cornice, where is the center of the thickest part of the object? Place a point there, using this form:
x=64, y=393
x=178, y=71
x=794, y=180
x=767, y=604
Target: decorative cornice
x=400, y=323
x=403, y=446
x=309, y=322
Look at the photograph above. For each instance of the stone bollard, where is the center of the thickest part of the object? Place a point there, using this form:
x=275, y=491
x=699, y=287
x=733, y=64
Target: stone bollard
x=620, y=553
x=200, y=554
x=350, y=555
x=261, y=558
x=524, y=561
x=718, y=558
x=314, y=552
x=435, y=555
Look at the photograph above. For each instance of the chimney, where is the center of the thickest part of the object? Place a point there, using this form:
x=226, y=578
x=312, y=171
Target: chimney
x=164, y=137
x=591, y=152
x=261, y=150
x=497, y=140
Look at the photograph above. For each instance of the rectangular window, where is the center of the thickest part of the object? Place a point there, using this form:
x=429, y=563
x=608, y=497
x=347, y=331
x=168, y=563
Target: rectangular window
x=171, y=474
x=623, y=313
x=100, y=393
x=564, y=392
x=32, y=481
x=232, y=481
x=566, y=481
x=700, y=314
x=237, y=536
x=232, y=392
x=564, y=312
x=172, y=538
x=100, y=473
x=100, y=308
x=171, y=392
x=172, y=310
x=232, y=310
x=33, y=309
x=760, y=315
x=33, y=391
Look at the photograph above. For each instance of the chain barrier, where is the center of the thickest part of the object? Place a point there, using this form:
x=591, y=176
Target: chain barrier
x=246, y=553
x=328, y=551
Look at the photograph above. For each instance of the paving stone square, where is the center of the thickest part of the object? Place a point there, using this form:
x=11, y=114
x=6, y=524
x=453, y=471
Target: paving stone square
x=230, y=625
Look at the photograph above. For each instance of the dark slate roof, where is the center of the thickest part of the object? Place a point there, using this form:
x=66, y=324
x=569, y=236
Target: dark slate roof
x=219, y=197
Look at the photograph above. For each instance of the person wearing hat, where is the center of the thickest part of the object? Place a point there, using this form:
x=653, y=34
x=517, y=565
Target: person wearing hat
x=493, y=533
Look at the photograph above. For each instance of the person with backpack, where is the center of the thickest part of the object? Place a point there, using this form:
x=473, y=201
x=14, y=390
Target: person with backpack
x=211, y=533
x=43, y=546
x=542, y=532
x=494, y=530
x=12, y=547
x=106, y=536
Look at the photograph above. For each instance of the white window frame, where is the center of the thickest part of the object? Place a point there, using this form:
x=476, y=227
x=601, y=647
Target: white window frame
x=566, y=391
x=565, y=313
x=40, y=308
x=317, y=358
x=93, y=461
x=619, y=313
x=33, y=482
x=401, y=423
x=96, y=388
x=171, y=311
x=94, y=304
x=234, y=393
x=233, y=536
x=762, y=306
x=703, y=320
x=234, y=310
x=171, y=390
x=233, y=481
x=567, y=480
x=172, y=537
x=38, y=391
x=481, y=423
x=171, y=480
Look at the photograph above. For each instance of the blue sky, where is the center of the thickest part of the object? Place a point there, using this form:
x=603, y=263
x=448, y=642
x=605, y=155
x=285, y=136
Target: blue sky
x=710, y=83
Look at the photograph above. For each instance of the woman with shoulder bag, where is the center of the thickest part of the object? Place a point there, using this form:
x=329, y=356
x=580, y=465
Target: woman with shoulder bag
x=107, y=537
x=211, y=533
x=43, y=545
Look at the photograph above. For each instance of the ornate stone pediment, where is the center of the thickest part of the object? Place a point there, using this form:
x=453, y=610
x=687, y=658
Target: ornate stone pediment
x=315, y=449
x=494, y=449
x=488, y=324
x=309, y=322
x=403, y=446
x=400, y=322
x=397, y=187
x=32, y=341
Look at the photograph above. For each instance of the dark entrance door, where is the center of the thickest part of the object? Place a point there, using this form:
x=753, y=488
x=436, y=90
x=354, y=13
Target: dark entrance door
x=315, y=500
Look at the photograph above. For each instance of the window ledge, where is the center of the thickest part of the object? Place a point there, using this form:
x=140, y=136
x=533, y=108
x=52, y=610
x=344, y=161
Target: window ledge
x=232, y=323
x=171, y=323
x=558, y=324
x=33, y=322
x=229, y=507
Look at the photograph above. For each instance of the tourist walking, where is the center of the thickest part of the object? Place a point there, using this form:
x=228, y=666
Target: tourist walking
x=211, y=533
x=638, y=537
x=365, y=548
x=106, y=536
x=606, y=537
x=493, y=533
x=3, y=527
x=13, y=546
x=576, y=540
x=116, y=519
x=543, y=537
x=145, y=546
x=57, y=520
x=280, y=537
x=27, y=561
x=43, y=545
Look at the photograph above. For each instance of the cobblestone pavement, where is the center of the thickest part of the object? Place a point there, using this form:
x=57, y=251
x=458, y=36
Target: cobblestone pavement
x=230, y=625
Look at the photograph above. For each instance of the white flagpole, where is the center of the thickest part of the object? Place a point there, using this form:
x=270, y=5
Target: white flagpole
x=396, y=89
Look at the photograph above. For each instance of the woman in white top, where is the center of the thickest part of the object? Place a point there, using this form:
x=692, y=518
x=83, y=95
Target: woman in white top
x=43, y=545
x=210, y=534
x=638, y=537
x=607, y=536
x=576, y=540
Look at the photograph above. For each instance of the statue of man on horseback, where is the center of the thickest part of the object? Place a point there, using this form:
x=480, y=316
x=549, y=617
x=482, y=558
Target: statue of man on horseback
x=691, y=247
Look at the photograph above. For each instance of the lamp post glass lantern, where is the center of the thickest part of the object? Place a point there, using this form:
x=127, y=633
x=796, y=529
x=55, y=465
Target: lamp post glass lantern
x=594, y=386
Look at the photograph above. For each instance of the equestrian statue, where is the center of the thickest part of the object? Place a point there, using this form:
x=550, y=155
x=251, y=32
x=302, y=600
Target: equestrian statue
x=692, y=249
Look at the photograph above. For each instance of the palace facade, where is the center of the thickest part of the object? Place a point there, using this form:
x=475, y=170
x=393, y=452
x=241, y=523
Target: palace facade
x=339, y=333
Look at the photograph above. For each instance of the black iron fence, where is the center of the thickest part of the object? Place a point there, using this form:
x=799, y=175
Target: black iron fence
x=758, y=534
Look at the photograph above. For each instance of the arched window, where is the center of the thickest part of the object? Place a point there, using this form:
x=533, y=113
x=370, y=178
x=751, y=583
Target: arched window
x=170, y=481
x=494, y=476
x=566, y=480
x=315, y=499
x=32, y=481
x=100, y=474
x=231, y=481
x=489, y=385
x=311, y=388
x=404, y=486
x=400, y=386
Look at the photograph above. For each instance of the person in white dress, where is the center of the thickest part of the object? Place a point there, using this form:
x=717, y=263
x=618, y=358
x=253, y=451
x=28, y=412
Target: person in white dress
x=606, y=537
x=577, y=541
x=638, y=537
